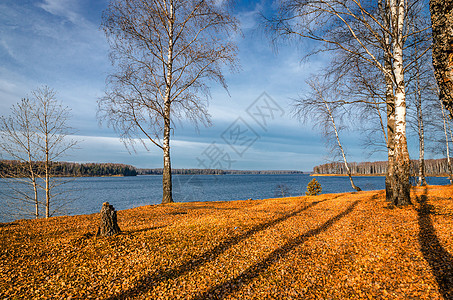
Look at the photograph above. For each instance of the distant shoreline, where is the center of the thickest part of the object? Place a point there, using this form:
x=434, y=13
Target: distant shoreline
x=159, y=171
x=372, y=175
x=343, y=175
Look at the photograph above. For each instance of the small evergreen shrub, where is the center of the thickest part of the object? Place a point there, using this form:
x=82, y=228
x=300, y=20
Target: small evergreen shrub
x=313, y=188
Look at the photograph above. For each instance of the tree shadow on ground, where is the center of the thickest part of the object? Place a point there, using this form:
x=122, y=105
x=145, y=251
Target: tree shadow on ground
x=8, y=224
x=147, y=283
x=439, y=259
x=230, y=286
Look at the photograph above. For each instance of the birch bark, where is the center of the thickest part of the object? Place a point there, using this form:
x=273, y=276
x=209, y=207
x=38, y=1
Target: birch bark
x=400, y=182
x=166, y=176
x=421, y=132
x=334, y=126
x=449, y=166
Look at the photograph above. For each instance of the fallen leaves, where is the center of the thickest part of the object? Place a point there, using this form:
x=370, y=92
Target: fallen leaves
x=330, y=246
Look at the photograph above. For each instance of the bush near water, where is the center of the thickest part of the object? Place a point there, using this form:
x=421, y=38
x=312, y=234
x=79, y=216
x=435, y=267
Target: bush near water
x=313, y=188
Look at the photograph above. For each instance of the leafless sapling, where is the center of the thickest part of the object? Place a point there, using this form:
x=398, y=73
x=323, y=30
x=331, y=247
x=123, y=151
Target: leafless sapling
x=320, y=107
x=35, y=135
x=18, y=140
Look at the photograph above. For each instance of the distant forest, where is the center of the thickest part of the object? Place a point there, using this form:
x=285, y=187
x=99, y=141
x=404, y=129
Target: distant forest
x=215, y=172
x=433, y=167
x=11, y=168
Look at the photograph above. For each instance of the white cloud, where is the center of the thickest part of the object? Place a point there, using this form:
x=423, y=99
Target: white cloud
x=248, y=19
x=38, y=48
x=63, y=8
x=8, y=49
x=115, y=142
x=7, y=86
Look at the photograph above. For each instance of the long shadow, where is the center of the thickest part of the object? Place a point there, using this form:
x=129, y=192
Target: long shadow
x=148, y=282
x=439, y=259
x=225, y=288
x=8, y=224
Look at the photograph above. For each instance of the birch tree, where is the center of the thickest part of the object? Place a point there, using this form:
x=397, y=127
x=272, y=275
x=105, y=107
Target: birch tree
x=420, y=97
x=164, y=54
x=363, y=94
x=35, y=135
x=447, y=141
x=421, y=134
x=375, y=33
x=53, y=140
x=321, y=110
x=18, y=141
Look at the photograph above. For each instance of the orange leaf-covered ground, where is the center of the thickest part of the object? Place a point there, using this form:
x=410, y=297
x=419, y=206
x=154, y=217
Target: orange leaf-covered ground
x=333, y=246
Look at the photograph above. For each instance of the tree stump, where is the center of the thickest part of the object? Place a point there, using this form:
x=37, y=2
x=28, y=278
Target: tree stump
x=109, y=224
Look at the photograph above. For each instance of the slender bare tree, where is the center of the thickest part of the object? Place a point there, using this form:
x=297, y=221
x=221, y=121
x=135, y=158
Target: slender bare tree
x=362, y=91
x=449, y=160
x=18, y=141
x=447, y=141
x=321, y=110
x=421, y=133
x=420, y=97
x=36, y=134
x=53, y=132
x=165, y=52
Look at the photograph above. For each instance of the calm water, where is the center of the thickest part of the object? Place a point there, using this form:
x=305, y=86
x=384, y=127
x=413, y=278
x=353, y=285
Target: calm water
x=86, y=195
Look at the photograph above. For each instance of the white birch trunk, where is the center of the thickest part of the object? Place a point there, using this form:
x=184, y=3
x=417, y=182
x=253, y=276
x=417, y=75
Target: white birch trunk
x=390, y=106
x=29, y=131
x=348, y=170
x=421, y=130
x=166, y=176
x=390, y=103
x=421, y=133
x=33, y=180
x=444, y=119
x=401, y=185
x=47, y=162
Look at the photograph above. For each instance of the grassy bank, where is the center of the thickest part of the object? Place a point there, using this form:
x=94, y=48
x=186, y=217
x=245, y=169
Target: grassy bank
x=337, y=246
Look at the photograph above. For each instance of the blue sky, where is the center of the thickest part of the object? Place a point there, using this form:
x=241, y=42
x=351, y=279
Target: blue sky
x=59, y=43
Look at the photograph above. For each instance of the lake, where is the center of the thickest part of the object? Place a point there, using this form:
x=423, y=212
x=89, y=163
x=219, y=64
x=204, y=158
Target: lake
x=85, y=195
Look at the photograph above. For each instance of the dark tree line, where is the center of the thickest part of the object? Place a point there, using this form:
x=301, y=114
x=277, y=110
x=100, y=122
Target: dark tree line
x=13, y=168
x=433, y=167
x=159, y=171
